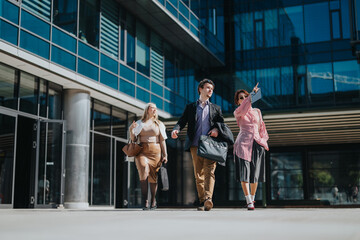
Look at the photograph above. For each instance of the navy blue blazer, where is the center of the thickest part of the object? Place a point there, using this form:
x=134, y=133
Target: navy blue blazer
x=189, y=117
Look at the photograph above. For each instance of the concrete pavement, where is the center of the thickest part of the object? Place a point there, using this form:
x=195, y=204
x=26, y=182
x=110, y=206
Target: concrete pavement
x=173, y=224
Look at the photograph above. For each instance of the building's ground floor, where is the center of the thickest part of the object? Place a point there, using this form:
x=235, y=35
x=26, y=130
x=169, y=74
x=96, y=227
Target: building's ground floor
x=60, y=145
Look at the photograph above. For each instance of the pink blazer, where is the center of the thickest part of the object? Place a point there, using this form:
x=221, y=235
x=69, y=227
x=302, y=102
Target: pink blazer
x=252, y=127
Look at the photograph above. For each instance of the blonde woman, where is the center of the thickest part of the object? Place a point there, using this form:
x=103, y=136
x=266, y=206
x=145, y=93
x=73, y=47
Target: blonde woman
x=151, y=134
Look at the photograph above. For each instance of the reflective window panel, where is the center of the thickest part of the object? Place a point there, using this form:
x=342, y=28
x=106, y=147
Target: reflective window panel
x=89, y=22
x=7, y=143
x=286, y=176
x=28, y=93
x=65, y=15
x=101, y=117
x=335, y=176
x=8, y=87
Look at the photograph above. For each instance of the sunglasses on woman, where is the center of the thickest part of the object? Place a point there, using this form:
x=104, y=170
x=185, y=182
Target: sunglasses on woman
x=242, y=97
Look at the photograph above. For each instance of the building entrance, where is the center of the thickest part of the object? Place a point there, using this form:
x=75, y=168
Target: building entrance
x=39, y=163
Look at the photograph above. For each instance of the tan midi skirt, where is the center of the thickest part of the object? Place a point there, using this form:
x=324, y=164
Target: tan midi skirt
x=148, y=161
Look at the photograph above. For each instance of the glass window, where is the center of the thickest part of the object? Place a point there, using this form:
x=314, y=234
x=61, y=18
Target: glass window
x=41, y=8
x=347, y=81
x=158, y=101
x=88, y=69
x=142, y=81
x=34, y=44
x=7, y=139
x=89, y=22
x=109, y=79
x=247, y=31
x=101, y=117
x=130, y=40
x=127, y=73
x=271, y=28
x=335, y=20
x=142, y=95
x=286, y=176
x=9, y=11
x=35, y=25
x=43, y=98
x=317, y=27
x=320, y=82
x=127, y=87
x=109, y=64
x=268, y=80
x=287, y=86
x=63, y=58
x=291, y=25
x=101, y=170
x=334, y=176
x=119, y=127
x=142, y=49
x=345, y=18
x=157, y=89
x=64, y=40
x=169, y=67
x=110, y=28
x=28, y=93
x=8, y=87
x=8, y=32
x=55, y=101
x=88, y=53
x=65, y=15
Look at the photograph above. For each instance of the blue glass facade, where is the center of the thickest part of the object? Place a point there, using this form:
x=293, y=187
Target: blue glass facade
x=294, y=49
x=112, y=47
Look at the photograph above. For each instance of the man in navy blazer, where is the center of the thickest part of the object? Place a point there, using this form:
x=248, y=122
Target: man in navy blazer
x=201, y=117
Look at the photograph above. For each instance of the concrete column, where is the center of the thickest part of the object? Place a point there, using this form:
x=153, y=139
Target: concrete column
x=77, y=116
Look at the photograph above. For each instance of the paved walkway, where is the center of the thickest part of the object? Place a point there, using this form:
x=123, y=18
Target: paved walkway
x=188, y=224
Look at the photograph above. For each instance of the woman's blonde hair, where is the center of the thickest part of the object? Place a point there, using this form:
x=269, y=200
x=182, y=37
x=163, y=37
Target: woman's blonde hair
x=145, y=114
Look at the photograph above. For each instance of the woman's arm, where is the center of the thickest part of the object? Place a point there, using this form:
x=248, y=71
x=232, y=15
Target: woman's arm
x=163, y=151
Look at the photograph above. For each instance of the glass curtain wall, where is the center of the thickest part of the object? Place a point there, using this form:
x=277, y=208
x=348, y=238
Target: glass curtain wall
x=108, y=130
x=295, y=51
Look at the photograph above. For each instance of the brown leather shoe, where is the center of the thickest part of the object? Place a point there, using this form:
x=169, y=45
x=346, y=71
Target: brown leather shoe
x=208, y=204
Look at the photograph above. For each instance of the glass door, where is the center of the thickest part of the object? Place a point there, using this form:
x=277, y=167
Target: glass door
x=50, y=165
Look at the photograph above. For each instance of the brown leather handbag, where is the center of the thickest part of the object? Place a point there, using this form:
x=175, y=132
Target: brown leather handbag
x=132, y=149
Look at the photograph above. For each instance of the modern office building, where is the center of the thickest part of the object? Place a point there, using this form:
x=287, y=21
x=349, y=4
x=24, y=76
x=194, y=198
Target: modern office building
x=75, y=73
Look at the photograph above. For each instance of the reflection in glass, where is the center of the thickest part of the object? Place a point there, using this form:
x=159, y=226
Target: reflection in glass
x=89, y=22
x=334, y=175
x=119, y=126
x=347, y=81
x=142, y=49
x=271, y=28
x=28, y=93
x=101, y=171
x=43, y=99
x=335, y=20
x=291, y=25
x=35, y=25
x=287, y=86
x=320, y=82
x=7, y=143
x=286, y=176
x=65, y=15
x=41, y=8
x=101, y=117
x=50, y=164
x=317, y=24
x=130, y=40
x=8, y=87
x=55, y=101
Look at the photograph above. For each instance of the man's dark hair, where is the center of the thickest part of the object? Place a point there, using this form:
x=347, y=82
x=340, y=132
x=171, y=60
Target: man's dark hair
x=203, y=82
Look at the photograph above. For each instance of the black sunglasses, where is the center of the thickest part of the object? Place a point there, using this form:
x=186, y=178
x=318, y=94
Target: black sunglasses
x=242, y=97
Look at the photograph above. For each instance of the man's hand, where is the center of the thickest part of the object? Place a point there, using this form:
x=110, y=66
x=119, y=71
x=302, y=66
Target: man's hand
x=214, y=132
x=174, y=134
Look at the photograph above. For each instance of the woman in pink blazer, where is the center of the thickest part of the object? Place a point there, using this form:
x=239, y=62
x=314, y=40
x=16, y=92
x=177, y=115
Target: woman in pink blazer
x=250, y=145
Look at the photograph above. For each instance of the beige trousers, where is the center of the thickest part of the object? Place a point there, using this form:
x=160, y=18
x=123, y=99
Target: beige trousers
x=204, y=171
